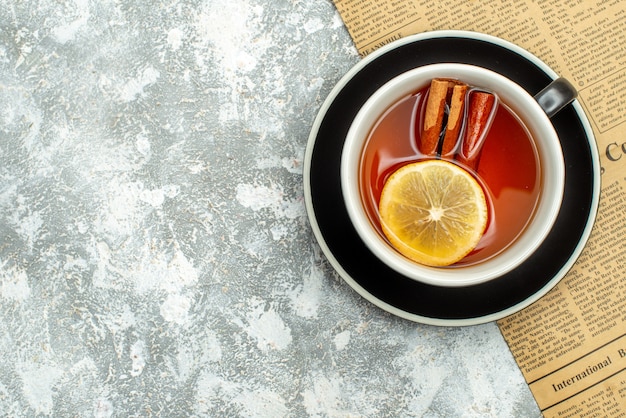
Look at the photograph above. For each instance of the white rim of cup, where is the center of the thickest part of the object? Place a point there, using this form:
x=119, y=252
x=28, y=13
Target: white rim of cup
x=552, y=175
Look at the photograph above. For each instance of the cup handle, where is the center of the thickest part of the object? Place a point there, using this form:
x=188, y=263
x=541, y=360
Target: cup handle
x=555, y=96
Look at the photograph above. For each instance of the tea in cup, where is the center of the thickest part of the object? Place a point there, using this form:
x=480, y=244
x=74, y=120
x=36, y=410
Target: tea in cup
x=516, y=162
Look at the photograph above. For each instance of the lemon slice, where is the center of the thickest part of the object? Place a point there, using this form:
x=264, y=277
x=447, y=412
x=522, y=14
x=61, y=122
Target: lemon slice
x=433, y=212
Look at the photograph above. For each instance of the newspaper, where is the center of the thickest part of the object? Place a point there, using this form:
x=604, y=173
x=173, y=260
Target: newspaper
x=571, y=344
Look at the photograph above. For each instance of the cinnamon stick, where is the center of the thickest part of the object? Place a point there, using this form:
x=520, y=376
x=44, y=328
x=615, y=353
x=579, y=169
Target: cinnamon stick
x=440, y=136
x=433, y=117
x=442, y=93
x=481, y=108
x=455, y=120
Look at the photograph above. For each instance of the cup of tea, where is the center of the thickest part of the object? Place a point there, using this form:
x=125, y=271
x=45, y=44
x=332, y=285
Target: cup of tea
x=516, y=160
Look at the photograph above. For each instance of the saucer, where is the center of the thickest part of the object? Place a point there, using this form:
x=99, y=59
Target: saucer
x=402, y=296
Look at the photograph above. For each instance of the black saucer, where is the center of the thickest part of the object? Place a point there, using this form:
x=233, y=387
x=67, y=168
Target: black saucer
x=394, y=292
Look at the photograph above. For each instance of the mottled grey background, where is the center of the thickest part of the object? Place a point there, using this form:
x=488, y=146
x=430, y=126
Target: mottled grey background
x=155, y=254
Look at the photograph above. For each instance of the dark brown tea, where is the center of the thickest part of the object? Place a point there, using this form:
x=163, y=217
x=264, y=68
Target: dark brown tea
x=508, y=170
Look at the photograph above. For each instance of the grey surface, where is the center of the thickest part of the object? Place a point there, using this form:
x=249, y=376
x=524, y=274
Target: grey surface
x=155, y=254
